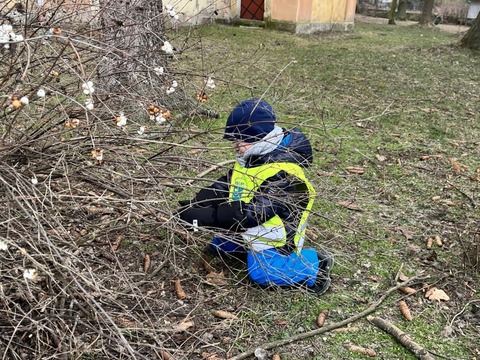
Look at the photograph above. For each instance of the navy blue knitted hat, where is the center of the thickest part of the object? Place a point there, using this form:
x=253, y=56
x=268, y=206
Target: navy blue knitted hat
x=250, y=121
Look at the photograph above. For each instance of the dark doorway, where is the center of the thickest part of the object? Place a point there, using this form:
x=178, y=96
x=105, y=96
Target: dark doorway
x=252, y=9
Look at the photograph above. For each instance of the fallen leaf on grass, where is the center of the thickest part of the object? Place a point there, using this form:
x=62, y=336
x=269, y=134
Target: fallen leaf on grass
x=458, y=167
x=184, y=325
x=426, y=157
x=438, y=240
x=214, y=278
x=436, y=294
x=166, y=356
x=325, y=173
x=429, y=243
x=449, y=203
x=349, y=205
x=355, y=170
x=223, y=314
x=403, y=277
x=146, y=265
x=162, y=218
x=362, y=350
x=321, y=318
x=380, y=158
x=311, y=234
x=179, y=290
x=405, y=310
x=276, y=357
x=209, y=356
x=117, y=242
x=436, y=198
x=407, y=290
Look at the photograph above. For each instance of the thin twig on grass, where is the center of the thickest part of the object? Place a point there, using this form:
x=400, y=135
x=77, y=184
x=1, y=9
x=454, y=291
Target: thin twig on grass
x=470, y=198
x=403, y=338
x=376, y=116
x=328, y=328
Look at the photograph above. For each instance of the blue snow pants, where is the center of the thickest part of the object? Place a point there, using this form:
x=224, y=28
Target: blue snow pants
x=269, y=267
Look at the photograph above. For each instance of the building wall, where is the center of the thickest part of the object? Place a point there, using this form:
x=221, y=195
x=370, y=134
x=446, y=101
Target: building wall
x=322, y=11
x=201, y=11
x=306, y=14
x=473, y=10
x=284, y=10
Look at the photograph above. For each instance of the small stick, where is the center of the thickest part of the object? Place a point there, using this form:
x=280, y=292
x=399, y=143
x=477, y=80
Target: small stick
x=209, y=170
x=403, y=338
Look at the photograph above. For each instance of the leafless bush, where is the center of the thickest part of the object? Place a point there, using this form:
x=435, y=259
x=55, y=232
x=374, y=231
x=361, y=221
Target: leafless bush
x=82, y=160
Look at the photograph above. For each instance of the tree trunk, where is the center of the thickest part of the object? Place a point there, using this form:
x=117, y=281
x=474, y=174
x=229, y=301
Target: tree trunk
x=133, y=34
x=391, y=16
x=471, y=39
x=426, y=18
x=402, y=10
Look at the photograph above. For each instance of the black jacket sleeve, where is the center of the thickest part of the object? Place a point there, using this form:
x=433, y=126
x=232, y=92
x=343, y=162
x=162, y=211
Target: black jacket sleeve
x=282, y=195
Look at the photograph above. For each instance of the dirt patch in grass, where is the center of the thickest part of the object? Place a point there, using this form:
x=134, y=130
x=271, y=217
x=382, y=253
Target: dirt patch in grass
x=455, y=29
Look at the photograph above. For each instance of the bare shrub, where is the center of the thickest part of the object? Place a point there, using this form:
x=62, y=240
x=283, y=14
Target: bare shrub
x=76, y=180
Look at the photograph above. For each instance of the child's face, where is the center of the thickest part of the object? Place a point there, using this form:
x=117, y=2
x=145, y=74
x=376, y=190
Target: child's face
x=241, y=147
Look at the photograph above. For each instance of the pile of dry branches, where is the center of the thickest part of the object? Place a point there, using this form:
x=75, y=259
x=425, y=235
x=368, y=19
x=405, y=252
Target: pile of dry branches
x=75, y=181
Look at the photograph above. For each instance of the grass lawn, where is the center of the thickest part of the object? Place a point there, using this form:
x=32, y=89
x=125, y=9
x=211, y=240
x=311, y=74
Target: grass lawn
x=393, y=114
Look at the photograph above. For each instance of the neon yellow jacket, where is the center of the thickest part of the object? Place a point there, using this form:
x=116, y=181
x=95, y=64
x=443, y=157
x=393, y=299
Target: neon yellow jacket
x=245, y=183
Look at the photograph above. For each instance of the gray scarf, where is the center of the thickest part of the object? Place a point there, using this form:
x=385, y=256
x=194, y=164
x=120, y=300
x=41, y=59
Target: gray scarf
x=269, y=143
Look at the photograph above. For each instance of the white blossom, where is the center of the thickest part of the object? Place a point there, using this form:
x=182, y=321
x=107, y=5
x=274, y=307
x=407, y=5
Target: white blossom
x=210, y=83
x=41, y=93
x=18, y=37
x=168, y=7
x=141, y=131
x=121, y=120
x=88, y=88
x=160, y=119
x=30, y=274
x=34, y=180
x=174, y=83
x=24, y=100
x=6, y=28
x=89, y=104
x=159, y=70
x=3, y=246
x=170, y=90
x=167, y=47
